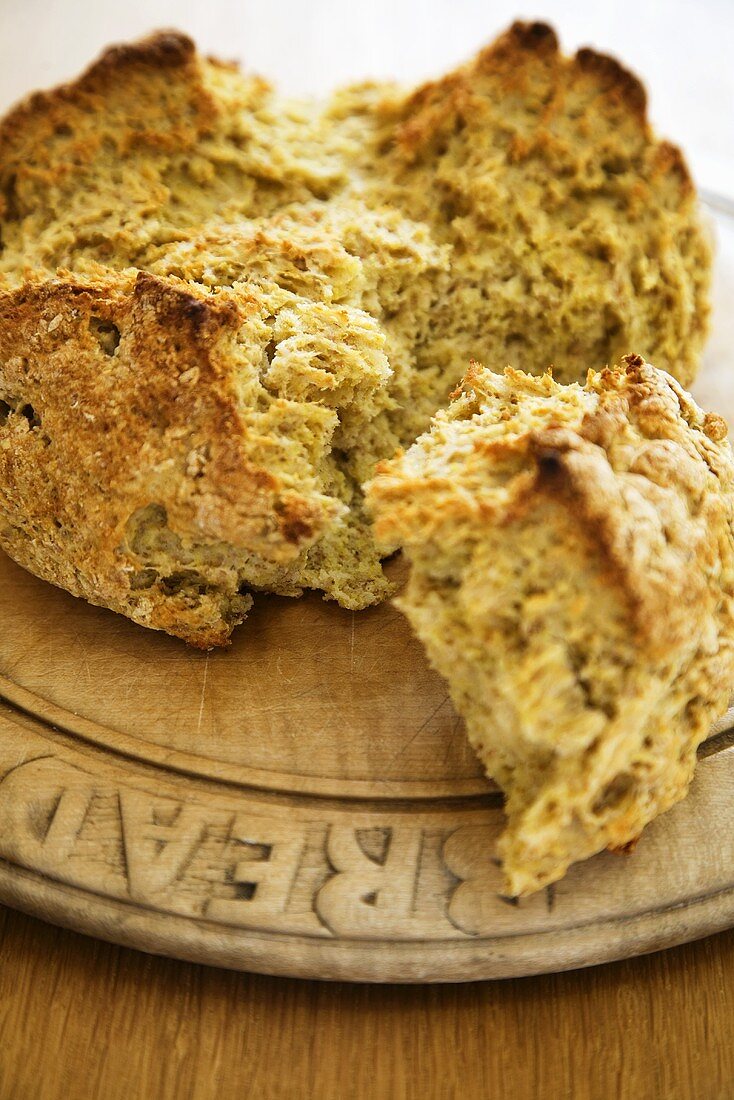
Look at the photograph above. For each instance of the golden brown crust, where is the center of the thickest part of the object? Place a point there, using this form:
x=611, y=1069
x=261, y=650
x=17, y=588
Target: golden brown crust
x=615, y=81
x=163, y=50
x=441, y=99
x=152, y=419
x=509, y=58
x=34, y=118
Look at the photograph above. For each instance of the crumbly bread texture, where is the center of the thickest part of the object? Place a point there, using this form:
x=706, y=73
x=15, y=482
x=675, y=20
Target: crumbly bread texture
x=572, y=577
x=156, y=457
x=219, y=308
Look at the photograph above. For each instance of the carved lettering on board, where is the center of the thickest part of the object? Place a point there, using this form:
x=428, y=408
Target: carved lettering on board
x=160, y=837
x=264, y=877
x=393, y=880
x=478, y=894
x=42, y=809
x=368, y=896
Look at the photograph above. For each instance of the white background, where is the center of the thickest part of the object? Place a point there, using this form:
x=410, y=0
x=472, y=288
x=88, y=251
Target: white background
x=684, y=50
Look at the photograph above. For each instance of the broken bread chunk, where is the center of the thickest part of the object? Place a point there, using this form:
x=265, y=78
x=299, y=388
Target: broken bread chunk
x=572, y=577
x=164, y=451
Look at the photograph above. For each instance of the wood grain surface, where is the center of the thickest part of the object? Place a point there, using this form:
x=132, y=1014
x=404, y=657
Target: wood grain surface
x=81, y=1020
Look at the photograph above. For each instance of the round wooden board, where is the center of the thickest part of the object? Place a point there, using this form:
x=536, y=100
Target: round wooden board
x=306, y=803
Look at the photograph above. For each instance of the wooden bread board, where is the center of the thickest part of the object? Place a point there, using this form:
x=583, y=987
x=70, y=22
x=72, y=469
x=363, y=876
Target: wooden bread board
x=306, y=803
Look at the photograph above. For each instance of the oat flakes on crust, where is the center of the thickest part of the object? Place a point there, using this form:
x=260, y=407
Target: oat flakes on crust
x=345, y=259
x=572, y=576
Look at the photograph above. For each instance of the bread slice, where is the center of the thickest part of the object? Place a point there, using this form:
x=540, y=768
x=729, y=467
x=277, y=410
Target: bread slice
x=336, y=266
x=572, y=577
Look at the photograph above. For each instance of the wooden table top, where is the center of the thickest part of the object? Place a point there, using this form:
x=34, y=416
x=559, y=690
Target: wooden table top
x=82, y=1020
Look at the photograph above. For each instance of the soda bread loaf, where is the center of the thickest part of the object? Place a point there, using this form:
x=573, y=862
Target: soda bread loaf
x=572, y=577
x=219, y=309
